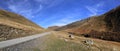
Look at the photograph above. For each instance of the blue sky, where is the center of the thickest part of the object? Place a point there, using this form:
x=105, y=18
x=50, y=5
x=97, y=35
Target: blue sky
x=58, y=12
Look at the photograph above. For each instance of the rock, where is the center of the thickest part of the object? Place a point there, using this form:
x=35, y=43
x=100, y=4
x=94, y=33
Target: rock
x=89, y=42
x=66, y=40
x=71, y=36
x=114, y=49
x=9, y=32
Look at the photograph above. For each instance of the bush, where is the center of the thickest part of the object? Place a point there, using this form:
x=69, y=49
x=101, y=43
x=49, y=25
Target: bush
x=111, y=36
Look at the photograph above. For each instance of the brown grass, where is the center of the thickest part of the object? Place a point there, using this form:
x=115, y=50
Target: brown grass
x=57, y=42
x=15, y=20
x=13, y=26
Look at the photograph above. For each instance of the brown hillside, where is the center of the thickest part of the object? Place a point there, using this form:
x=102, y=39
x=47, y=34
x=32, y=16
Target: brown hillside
x=86, y=25
x=112, y=18
x=13, y=25
x=98, y=26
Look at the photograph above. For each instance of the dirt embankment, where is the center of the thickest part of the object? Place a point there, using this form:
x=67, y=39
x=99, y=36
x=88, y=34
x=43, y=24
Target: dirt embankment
x=8, y=32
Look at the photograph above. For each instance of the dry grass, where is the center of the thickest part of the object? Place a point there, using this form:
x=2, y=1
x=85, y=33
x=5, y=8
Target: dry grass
x=17, y=21
x=53, y=43
x=106, y=26
x=15, y=26
x=57, y=42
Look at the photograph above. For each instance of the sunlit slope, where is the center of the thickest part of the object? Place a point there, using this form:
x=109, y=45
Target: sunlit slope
x=13, y=25
x=86, y=25
x=109, y=21
x=6, y=16
x=106, y=26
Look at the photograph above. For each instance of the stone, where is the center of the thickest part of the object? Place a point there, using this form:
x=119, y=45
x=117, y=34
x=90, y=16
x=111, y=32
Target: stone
x=89, y=42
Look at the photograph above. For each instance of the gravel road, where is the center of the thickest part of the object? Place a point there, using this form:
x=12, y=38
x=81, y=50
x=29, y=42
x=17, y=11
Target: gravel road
x=27, y=45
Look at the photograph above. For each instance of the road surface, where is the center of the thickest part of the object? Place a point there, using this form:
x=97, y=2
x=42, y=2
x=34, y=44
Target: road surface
x=12, y=42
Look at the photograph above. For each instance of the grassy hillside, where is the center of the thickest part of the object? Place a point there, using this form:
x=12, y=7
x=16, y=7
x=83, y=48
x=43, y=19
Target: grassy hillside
x=13, y=25
x=86, y=25
x=97, y=25
x=9, y=16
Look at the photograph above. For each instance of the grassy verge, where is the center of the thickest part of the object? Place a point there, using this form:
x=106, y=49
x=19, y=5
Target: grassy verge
x=53, y=43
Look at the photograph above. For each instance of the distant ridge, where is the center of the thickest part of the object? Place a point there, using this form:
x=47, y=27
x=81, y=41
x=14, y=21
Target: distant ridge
x=53, y=27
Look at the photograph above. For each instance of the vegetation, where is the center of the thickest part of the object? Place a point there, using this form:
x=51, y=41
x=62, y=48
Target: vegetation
x=13, y=26
x=106, y=26
x=59, y=41
x=111, y=36
x=53, y=43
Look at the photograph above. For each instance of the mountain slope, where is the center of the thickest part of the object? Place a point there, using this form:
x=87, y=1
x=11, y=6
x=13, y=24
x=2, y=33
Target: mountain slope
x=53, y=27
x=112, y=18
x=106, y=26
x=13, y=26
x=86, y=25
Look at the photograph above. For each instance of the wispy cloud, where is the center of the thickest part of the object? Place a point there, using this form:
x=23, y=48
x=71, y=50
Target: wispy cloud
x=92, y=10
x=40, y=7
x=54, y=3
x=95, y=8
x=28, y=9
x=24, y=7
x=49, y=3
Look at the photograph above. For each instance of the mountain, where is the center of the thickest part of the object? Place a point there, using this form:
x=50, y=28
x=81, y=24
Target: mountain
x=13, y=26
x=53, y=27
x=85, y=25
x=106, y=26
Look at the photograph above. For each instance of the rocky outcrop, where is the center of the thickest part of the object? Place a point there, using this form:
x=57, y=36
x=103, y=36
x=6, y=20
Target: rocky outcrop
x=15, y=26
x=7, y=32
